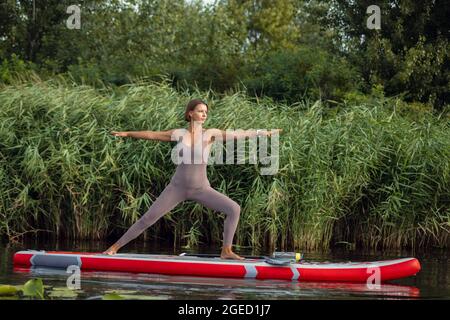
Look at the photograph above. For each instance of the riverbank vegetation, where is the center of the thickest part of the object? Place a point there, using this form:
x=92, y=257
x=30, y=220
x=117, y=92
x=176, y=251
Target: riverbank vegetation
x=366, y=173
x=364, y=153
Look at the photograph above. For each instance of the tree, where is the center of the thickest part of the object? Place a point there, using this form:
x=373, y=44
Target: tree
x=269, y=23
x=409, y=54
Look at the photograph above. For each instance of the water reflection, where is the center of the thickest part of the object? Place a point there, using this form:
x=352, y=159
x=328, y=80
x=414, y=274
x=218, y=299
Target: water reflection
x=220, y=288
x=432, y=282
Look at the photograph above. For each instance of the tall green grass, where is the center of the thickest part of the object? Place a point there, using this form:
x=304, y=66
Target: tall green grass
x=366, y=176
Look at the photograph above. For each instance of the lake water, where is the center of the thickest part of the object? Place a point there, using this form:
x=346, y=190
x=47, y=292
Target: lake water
x=432, y=282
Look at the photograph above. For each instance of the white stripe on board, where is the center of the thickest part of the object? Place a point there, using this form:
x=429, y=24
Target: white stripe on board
x=250, y=271
x=295, y=273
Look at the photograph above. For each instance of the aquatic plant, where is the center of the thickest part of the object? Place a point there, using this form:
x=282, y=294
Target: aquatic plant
x=365, y=175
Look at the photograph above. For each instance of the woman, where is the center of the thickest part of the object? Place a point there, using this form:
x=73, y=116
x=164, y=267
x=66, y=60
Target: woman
x=189, y=181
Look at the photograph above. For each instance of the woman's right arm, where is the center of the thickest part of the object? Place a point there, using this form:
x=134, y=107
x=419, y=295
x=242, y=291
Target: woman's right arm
x=148, y=135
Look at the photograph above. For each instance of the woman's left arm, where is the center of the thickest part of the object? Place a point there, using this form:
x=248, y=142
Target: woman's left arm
x=217, y=134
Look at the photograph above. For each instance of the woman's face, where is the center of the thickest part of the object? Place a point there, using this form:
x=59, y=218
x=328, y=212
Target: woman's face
x=200, y=113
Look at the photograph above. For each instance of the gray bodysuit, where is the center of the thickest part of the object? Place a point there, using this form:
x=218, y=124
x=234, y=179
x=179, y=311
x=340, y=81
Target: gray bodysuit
x=189, y=182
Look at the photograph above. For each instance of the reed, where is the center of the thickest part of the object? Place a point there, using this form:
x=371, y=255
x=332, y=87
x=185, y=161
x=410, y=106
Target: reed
x=366, y=176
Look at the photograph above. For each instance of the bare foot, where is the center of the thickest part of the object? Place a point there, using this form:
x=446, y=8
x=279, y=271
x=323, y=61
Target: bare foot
x=232, y=256
x=111, y=251
x=228, y=254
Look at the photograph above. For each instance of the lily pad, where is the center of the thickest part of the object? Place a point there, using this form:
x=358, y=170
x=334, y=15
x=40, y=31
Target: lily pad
x=63, y=292
x=112, y=296
x=9, y=297
x=8, y=290
x=34, y=288
x=141, y=297
x=120, y=292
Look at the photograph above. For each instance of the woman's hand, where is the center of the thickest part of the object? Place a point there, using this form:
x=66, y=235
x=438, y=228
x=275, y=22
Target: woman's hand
x=119, y=134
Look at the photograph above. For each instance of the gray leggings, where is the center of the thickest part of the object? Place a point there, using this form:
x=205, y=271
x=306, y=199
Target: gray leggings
x=172, y=195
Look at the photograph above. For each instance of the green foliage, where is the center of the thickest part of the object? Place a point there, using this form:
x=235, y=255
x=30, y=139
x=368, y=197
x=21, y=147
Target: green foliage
x=13, y=68
x=358, y=98
x=8, y=290
x=409, y=55
x=34, y=288
x=301, y=74
x=287, y=50
x=112, y=296
x=269, y=24
x=366, y=175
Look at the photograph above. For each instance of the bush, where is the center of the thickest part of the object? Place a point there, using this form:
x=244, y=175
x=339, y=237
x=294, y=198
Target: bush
x=297, y=74
x=11, y=68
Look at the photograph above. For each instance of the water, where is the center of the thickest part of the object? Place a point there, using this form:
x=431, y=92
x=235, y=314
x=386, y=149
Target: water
x=432, y=282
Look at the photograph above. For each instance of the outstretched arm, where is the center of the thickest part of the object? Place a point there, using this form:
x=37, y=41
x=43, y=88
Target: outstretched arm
x=239, y=134
x=148, y=135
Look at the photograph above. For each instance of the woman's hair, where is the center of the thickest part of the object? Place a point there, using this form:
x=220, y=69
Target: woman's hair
x=191, y=106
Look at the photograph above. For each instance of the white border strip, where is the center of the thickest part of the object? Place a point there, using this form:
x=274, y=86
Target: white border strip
x=250, y=272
